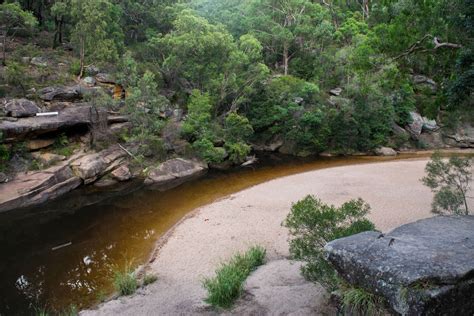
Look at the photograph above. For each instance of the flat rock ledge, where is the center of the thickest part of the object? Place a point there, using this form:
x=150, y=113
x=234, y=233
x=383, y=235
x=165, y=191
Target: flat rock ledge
x=104, y=169
x=421, y=268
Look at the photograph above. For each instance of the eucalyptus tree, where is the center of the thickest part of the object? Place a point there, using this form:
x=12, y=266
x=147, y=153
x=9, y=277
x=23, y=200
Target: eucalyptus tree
x=288, y=26
x=12, y=18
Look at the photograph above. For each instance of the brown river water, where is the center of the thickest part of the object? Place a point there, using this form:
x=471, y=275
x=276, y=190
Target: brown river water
x=57, y=255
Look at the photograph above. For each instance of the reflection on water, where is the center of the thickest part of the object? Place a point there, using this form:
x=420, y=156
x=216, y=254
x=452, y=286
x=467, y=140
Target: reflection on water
x=67, y=257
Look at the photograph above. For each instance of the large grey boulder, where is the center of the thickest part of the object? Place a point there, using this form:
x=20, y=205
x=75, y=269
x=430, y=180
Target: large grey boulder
x=422, y=268
x=60, y=93
x=175, y=171
x=21, y=108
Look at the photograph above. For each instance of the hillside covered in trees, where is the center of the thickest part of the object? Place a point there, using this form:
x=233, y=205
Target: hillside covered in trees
x=215, y=78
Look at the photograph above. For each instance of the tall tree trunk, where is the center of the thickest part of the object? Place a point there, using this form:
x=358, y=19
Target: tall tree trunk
x=82, y=53
x=4, y=48
x=285, y=58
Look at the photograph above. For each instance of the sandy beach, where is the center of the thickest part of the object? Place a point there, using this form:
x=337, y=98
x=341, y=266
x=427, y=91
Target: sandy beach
x=213, y=233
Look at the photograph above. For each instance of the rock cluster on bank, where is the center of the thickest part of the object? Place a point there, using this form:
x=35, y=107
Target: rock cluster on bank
x=422, y=268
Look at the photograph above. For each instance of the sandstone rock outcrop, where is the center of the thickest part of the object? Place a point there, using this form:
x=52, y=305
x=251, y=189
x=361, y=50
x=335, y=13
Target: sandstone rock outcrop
x=33, y=188
x=91, y=167
x=24, y=128
x=421, y=268
x=173, y=172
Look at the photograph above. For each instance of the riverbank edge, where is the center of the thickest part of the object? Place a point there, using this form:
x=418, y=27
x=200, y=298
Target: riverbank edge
x=143, y=268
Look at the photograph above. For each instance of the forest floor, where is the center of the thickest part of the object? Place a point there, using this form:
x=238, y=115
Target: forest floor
x=201, y=241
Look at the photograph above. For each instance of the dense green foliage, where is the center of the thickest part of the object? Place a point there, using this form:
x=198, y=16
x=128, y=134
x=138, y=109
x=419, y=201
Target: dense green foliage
x=269, y=66
x=449, y=180
x=227, y=285
x=312, y=224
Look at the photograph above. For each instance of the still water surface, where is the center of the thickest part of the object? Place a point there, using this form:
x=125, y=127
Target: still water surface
x=52, y=260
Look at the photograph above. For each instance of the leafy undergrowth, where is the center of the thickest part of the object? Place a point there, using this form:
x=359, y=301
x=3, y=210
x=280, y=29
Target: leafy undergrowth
x=226, y=286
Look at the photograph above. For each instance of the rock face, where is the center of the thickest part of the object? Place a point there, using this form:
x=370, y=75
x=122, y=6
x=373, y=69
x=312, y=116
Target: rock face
x=385, y=151
x=416, y=126
x=464, y=137
x=91, y=167
x=32, y=126
x=33, y=188
x=21, y=108
x=175, y=171
x=422, y=268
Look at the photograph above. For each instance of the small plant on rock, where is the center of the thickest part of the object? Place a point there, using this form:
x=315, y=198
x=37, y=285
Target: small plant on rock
x=449, y=180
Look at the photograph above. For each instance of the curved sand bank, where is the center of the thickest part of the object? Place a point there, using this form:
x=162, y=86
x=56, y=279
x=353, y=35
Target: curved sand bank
x=214, y=232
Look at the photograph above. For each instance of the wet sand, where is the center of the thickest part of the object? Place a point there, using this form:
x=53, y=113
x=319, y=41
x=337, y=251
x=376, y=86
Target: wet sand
x=213, y=233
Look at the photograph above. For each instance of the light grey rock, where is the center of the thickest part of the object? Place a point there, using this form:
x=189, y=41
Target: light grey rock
x=429, y=125
x=422, y=268
x=105, y=78
x=90, y=81
x=336, y=92
x=416, y=126
x=21, y=108
x=39, y=61
x=175, y=171
x=3, y=177
x=60, y=93
x=385, y=151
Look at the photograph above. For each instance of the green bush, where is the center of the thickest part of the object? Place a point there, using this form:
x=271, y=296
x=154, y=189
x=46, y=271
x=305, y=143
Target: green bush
x=227, y=285
x=312, y=224
x=207, y=151
x=125, y=281
x=75, y=67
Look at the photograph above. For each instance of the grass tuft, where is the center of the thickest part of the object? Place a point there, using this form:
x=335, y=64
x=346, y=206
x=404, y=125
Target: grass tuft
x=226, y=286
x=149, y=279
x=125, y=281
x=360, y=302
